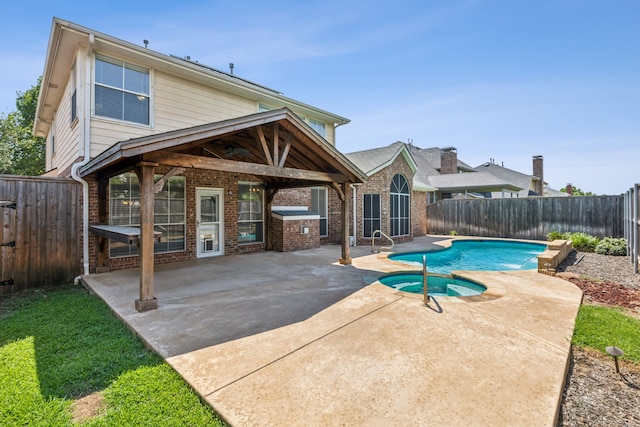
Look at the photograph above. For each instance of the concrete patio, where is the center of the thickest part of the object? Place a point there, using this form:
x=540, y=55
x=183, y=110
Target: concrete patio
x=298, y=339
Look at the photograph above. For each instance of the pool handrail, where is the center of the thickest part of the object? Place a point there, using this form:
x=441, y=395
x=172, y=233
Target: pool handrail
x=373, y=241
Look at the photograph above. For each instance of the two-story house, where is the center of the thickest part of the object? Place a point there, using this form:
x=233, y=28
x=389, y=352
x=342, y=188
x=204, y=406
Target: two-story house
x=177, y=160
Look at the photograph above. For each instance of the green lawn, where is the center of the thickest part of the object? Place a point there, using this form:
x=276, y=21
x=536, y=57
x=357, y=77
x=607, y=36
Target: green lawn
x=57, y=345
x=599, y=327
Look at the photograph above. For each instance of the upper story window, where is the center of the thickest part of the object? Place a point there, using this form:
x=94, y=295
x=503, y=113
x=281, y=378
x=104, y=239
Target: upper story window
x=318, y=126
x=264, y=107
x=74, y=94
x=121, y=90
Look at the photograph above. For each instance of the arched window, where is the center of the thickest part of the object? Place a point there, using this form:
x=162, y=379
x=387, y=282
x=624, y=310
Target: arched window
x=399, y=206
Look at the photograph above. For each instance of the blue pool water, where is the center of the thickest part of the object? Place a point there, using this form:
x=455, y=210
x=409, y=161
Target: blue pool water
x=479, y=255
x=437, y=285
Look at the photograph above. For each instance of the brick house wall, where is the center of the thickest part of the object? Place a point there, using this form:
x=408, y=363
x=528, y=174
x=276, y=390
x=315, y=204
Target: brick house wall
x=194, y=178
x=419, y=213
x=287, y=234
x=380, y=183
x=302, y=197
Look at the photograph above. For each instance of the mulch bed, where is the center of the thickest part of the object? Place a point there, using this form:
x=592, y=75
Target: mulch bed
x=608, y=293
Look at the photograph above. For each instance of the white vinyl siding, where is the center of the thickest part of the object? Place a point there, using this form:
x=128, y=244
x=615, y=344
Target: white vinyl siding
x=67, y=138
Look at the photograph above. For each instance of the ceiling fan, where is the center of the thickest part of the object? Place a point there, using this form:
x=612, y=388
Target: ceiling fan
x=230, y=151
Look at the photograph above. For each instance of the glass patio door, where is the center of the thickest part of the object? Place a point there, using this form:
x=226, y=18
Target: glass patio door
x=209, y=222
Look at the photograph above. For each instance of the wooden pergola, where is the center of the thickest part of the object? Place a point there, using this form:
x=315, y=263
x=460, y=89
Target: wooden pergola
x=275, y=146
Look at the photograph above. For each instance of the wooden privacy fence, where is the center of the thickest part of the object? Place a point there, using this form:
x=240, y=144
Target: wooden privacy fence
x=40, y=232
x=528, y=218
x=632, y=225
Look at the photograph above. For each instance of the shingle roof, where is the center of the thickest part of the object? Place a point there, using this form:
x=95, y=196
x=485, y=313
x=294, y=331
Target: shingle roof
x=371, y=160
x=509, y=175
x=472, y=181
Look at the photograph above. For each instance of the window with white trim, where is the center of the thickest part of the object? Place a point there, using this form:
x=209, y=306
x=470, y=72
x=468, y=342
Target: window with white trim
x=370, y=214
x=74, y=94
x=121, y=90
x=53, y=136
x=399, y=206
x=319, y=206
x=318, y=126
x=264, y=107
x=168, y=216
x=250, y=212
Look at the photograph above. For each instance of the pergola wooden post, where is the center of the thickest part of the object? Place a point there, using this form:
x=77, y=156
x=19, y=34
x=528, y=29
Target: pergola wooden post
x=344, y=213
x=145, y=172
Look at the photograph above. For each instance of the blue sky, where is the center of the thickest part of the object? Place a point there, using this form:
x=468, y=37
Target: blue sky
x=500, y=79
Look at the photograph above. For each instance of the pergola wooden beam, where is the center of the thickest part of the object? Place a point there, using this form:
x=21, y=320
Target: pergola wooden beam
x=209, y=163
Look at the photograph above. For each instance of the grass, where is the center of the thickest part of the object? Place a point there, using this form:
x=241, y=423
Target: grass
x=599, y=327
x=57, y=345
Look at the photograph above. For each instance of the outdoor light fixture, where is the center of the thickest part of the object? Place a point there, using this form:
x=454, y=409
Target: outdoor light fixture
x=615, y=352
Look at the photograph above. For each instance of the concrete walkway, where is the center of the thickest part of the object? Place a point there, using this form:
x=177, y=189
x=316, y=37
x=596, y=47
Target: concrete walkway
x=275, y=339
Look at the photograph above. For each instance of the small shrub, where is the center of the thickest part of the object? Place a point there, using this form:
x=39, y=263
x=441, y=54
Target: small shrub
x=555, y=235
x=453, y=233
x=612, y=246
x=583, y=242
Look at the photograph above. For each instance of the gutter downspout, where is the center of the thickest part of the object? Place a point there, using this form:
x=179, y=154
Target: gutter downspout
x=353, y=187
x=86, y=156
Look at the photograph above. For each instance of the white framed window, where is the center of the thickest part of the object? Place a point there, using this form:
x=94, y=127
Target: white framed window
x=265, y=107
x=370, y=214
x=52, y=134
x=399, y=206
x=168, y=216
x=250, y=212
x=318, y=126
x=121, y=91
x=74, y=94
x=319, y=206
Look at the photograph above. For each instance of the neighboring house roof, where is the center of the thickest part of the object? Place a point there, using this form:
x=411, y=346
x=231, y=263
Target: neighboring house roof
x=432, y=157
x=509, y=175
x=234, y=146
x=375, y=159
x=481, y=182
x=548, y=191
x=66, y=37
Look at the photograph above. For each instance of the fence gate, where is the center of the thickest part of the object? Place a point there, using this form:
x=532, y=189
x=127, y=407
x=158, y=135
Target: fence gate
x=8, y=245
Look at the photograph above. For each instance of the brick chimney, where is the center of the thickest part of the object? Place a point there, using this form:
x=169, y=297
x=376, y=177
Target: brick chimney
x=448, y=160
x=538, y=172
x=569, y=189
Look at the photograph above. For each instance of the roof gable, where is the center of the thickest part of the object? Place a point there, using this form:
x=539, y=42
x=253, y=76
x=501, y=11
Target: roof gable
x=374, y=160
x=276, y=145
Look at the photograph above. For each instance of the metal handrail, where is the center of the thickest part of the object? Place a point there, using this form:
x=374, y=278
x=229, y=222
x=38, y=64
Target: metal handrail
x=373, y=241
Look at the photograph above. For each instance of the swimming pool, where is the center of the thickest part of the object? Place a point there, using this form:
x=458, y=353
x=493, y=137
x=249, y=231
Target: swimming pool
x=436, y=285
x=479, y=255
